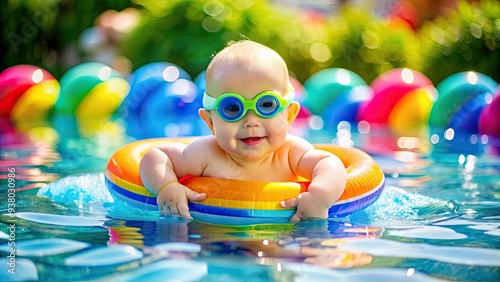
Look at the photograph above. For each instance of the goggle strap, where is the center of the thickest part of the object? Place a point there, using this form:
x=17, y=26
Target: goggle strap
x=208, y=102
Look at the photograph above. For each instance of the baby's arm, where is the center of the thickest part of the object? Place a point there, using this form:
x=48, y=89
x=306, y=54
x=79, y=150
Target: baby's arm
x=159, y=170
x=328, y=179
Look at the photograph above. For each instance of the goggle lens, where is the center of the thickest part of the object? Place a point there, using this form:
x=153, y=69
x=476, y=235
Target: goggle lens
x=267, y=106
x=231, y=108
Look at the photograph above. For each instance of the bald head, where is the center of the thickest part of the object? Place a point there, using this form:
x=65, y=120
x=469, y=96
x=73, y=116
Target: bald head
x=243, y=61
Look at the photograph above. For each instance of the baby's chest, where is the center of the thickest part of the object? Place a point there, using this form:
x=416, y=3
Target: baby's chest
x=274, y=172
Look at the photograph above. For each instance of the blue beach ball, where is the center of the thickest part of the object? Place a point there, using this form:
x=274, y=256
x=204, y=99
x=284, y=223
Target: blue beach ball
x=200, y=81
x=147, y=81
x=172, y=111
x=462, y=96
x=325, y=86
x=345, y=107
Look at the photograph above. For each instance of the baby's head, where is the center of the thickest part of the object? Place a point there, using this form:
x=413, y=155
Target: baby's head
x=242, y=71
x=241, y=64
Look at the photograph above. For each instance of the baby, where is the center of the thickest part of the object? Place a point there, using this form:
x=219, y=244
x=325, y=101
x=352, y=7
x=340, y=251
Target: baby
x=249, y=107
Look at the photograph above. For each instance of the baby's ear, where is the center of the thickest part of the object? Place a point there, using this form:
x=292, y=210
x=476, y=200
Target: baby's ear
x=207, y=117
x=293, y=111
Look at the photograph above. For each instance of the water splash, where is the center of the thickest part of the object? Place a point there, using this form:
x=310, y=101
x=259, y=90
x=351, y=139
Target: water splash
x=78, y=189
x=398, y=207
x=89, y=193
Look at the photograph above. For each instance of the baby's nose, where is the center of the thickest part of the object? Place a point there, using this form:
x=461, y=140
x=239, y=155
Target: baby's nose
x=251, y=119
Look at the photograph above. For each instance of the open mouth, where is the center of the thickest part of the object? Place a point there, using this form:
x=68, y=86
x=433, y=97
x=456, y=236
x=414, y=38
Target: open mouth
x=252, y=141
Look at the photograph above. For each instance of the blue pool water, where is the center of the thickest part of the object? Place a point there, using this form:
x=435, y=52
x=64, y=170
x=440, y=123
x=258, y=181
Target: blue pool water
x=437, y=220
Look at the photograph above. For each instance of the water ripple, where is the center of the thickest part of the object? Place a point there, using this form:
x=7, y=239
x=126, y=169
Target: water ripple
x=450, y=254
x=45, y=247
x=54, y=219
x=102, y=256
x=21, y=270
x=168, y=270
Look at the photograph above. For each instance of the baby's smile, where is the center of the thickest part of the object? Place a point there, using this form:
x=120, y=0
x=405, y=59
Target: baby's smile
x=251, y=141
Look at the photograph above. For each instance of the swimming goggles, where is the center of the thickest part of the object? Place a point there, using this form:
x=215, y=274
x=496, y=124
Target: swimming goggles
x=232, y=107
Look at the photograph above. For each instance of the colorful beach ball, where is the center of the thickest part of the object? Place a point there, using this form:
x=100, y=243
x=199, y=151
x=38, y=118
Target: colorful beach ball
x=200, y=81
x=462, y=97
x=27, y=92
x=402, y=100
x=454, y=120
x=489, y=119
x=91, y=90
x=163, y=102
x=303, y=117
x=489, y=122
x=335, y=95
x=346, y=106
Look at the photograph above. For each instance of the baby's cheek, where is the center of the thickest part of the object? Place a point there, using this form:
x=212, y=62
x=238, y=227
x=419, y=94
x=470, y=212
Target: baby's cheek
x=279, y=122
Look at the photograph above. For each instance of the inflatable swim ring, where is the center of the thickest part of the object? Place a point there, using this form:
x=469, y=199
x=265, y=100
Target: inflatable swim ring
x=238, y=202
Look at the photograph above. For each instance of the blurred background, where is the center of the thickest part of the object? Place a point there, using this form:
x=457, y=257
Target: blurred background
x=414, y=83
x=405, y=64
x=435, y=37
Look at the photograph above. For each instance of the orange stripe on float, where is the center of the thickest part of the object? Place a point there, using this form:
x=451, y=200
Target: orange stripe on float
x=345, y=199
x=125, y=162
x=244, y=190
x=134, y=188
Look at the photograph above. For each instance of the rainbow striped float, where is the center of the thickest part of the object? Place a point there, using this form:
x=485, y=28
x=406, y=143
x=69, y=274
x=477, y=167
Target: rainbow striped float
x=239, y=202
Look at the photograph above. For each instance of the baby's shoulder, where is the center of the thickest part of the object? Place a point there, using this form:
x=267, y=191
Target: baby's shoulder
x=203, y=141
x=293, y=142
x=203, y=146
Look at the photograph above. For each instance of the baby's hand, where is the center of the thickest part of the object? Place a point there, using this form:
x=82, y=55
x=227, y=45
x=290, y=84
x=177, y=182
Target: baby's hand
x=173, y=200
x=308, y=207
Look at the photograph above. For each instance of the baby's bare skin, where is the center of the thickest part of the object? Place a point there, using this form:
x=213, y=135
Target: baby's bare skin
x=252, y=148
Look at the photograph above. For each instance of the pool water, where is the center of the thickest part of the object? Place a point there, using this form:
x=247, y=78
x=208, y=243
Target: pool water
x=438, y=219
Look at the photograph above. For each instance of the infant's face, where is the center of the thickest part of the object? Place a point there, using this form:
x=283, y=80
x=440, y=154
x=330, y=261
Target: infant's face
x=252, y=137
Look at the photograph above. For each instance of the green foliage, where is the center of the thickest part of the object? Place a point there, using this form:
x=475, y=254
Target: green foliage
x=44, y=32
x=27, y=27
x=464, y=40
x=368, y=46
x=189, y=32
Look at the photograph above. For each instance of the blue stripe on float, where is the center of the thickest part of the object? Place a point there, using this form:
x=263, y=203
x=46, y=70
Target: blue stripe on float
x=351, y=206
x=136, y=198
x=235, y=220
x=199, y=207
